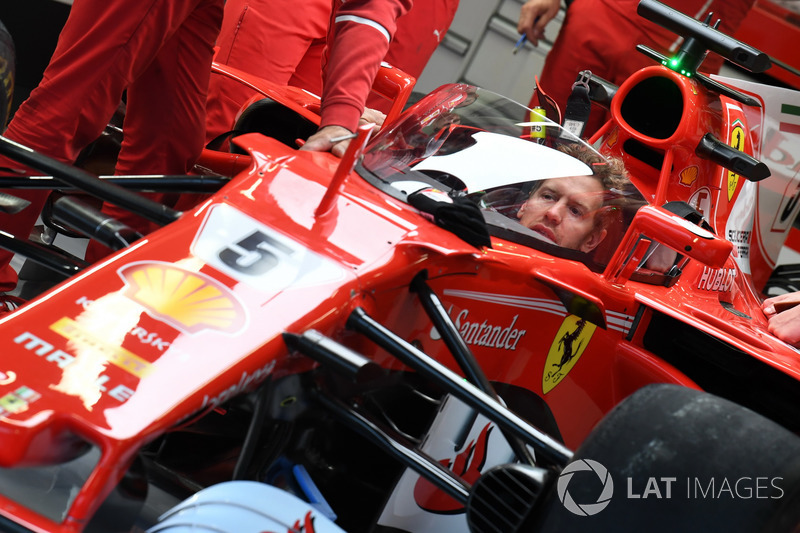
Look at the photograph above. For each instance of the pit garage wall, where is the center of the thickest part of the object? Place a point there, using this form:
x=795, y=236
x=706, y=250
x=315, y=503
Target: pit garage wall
x=478, y=50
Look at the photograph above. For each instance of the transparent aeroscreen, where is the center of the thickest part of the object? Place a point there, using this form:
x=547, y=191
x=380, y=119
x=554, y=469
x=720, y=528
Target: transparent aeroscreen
x=536, y=183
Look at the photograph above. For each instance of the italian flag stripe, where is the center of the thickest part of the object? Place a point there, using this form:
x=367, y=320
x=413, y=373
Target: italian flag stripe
x=790, y=128
x=788, y=109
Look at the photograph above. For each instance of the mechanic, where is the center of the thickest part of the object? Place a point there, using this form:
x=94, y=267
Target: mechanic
x=783, y=313
x=569, y=211
x=601, y=36
x=359, y=31
x=374, y=31
x=160, y=52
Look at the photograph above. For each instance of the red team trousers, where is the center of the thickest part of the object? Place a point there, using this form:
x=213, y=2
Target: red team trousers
x=160, y=52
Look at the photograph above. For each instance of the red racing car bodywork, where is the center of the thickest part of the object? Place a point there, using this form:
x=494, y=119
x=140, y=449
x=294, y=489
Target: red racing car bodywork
x=202, y=352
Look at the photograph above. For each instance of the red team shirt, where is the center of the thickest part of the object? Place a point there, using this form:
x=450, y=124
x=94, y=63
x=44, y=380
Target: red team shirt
x=374, y=30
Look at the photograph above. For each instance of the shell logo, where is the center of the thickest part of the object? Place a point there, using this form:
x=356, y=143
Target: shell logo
x=189, y=301
x=688, y=175
x=613, y=138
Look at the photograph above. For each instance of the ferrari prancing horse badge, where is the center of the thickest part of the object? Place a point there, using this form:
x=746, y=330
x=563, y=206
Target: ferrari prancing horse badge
x=571, y=340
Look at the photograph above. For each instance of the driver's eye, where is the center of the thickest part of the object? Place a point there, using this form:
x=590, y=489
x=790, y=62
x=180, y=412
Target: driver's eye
x=547, y=195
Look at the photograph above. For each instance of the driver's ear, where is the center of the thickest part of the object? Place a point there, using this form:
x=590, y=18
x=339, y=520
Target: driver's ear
x=595, y=238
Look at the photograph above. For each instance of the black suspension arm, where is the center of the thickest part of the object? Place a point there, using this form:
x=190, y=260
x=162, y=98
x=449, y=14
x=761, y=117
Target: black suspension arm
x=80, y=179
x=461, y=352
x=545, y=446
x=418, y=461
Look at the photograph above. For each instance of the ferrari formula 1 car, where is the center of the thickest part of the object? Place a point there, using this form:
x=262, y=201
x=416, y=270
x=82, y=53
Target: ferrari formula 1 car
x=383, y=343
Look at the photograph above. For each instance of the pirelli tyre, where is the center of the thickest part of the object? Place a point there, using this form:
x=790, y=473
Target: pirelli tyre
x=671, y=459
x=7, y=70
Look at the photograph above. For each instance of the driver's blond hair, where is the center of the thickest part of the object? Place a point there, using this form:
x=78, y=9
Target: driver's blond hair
x=609, y=170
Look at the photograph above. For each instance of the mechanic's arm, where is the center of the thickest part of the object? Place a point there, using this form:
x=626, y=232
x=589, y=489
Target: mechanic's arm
x=534, y=16
x=357, y=43
x=783, y=313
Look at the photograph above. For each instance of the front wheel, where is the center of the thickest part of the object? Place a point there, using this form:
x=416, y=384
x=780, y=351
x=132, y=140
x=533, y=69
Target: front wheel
x=671, y=458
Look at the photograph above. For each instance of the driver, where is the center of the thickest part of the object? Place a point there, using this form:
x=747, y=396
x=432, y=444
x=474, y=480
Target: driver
x=570, y=211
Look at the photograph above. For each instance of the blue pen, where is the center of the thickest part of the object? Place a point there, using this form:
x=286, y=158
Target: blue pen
x=520, y=42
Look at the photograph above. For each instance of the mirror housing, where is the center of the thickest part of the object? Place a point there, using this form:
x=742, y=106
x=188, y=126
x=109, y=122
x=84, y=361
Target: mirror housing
x=653, y=224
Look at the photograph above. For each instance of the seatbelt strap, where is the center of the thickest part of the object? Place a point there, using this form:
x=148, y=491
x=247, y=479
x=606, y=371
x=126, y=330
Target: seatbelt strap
x=576, y=115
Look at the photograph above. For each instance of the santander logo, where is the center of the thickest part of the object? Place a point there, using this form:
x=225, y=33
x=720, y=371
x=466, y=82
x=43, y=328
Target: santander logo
x=467, y=464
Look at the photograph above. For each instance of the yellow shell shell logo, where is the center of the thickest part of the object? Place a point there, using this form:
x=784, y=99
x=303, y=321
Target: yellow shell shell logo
x=571, y=340
x=189, y=301
x=688, y=175
x=737, y=141
x=613, y=138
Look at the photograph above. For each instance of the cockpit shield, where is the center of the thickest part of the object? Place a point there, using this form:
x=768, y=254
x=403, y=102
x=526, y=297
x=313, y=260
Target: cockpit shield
x=536, y=183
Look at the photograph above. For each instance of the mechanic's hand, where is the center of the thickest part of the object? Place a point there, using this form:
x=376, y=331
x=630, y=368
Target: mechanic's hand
x=534, y=16
x=783, y=313
x=661, y=259
x=372, y=116
x=322, y=140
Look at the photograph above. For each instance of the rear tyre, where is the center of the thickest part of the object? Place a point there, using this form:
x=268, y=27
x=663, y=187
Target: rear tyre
x=7, y=71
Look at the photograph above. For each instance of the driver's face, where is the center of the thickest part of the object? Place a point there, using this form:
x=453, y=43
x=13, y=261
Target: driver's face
x=564, y=209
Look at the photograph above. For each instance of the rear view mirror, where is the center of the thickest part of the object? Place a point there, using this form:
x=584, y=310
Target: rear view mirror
x=653, y=226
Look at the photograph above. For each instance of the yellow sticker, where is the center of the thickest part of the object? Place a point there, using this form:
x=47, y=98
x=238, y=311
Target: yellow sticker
x=571, y=340
x=126, y=360
x=737, y=141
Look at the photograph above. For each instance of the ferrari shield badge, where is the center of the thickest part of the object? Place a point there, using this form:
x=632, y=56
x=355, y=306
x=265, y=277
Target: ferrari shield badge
x=571, y=340
x=737, y=141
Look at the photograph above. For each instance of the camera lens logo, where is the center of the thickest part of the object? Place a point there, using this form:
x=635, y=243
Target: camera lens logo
x=585, y=509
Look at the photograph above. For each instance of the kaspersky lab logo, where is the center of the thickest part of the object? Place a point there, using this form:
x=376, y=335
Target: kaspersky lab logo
x=585, y=509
